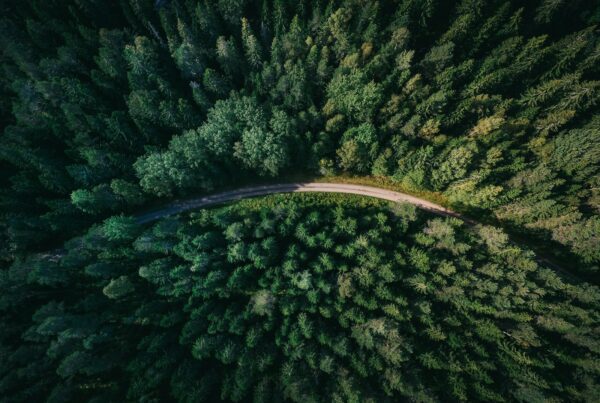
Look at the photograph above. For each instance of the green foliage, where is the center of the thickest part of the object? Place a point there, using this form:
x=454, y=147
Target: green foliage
x=271, y=298
x=118, y=288
x=359, y=148
x=106, y=107
x=119, y=228
x=252, y=47
x=354, y=95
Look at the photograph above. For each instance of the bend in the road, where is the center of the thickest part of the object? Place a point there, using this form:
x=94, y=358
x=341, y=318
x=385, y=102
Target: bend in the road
x=255, y=191
x=319, y=187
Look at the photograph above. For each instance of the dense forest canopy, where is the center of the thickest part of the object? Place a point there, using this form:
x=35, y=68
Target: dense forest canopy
x=305, y=298
x=110, y=107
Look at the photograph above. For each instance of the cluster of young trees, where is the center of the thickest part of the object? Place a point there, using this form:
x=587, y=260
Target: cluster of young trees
x=305, y=298
x=108, y=106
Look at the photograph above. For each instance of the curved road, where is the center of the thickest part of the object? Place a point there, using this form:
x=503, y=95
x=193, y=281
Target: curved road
x=370, y=191
x=243, y=193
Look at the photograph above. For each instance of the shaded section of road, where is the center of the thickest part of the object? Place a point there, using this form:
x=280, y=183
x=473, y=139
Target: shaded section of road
x=243, y=193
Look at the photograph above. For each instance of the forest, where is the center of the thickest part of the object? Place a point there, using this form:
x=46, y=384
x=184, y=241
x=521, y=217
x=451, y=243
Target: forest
x=266, y=300
x=111, y=108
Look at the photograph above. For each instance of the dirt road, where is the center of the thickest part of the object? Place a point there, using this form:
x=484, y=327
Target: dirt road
x=243, y=193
